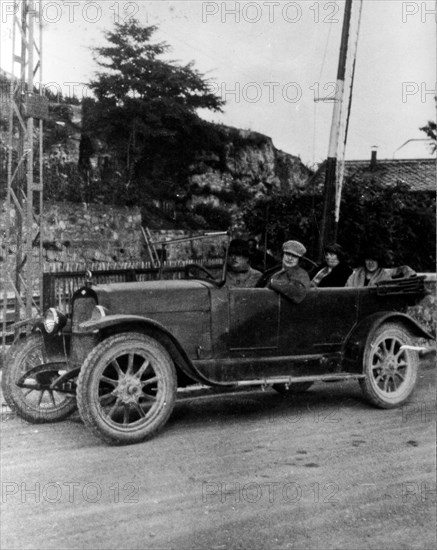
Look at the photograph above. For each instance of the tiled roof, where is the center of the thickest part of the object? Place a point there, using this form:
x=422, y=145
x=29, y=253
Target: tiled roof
x=419, y=174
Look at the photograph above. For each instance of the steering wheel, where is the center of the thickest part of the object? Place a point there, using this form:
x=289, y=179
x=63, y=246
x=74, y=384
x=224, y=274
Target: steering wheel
x=265, y=277
x=190, y=273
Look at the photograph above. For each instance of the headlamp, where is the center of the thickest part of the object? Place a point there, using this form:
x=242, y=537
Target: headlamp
x=54, y=320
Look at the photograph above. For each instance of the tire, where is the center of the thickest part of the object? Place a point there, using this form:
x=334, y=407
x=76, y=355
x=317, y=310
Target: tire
x=35, y=405
x=10, y=354
x=118, y=381
x=293, y=389
x=391, y=373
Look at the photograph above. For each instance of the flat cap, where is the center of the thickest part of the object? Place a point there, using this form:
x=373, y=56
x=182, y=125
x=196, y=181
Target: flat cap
x=294, y=247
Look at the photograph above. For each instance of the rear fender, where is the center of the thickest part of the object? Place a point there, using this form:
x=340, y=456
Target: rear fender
x=364, y=331
x=114, y=324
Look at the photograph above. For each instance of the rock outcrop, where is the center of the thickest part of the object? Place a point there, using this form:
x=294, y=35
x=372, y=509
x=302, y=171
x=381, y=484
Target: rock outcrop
x=250, y=168
x=234, y=170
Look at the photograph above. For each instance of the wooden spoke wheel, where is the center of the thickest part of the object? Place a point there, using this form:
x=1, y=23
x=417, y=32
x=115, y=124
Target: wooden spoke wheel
x=391, y=372
x=33, y=399
x=127, y=388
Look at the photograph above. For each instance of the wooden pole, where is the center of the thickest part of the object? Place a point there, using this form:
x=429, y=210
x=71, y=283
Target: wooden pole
x=328, y=230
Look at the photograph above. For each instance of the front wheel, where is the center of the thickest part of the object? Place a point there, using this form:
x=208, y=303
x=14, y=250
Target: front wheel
x=32, y=397
x=127, y=388
x=390, y=371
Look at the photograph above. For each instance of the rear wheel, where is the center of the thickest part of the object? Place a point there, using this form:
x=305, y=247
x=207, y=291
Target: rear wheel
x=35, y=401
x=127, y=388
x=292, y=389
x=391, y=372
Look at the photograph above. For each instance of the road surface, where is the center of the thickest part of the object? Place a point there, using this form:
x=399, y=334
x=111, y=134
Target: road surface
x=248, y=470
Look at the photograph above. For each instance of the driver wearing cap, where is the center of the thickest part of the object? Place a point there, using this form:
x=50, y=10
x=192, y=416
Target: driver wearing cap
x=292, y=281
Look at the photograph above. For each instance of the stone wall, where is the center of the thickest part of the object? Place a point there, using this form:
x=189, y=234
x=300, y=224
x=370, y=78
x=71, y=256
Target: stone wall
x=82, y=234
x=91, y=233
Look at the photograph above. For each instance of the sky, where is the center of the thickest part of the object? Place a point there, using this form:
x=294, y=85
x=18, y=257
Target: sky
x=273, y=62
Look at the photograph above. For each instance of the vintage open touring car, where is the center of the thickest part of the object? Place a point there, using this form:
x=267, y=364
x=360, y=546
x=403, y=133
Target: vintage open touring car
x=126, y=348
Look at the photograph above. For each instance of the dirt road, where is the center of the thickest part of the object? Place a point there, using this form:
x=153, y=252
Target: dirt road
x=248, y=470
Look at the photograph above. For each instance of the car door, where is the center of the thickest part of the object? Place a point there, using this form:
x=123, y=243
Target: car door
x=244, y=335
x=320, y=323
x=253, y=320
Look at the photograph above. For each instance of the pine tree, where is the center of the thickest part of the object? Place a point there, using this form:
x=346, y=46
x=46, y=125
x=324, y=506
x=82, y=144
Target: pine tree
x=146, y=106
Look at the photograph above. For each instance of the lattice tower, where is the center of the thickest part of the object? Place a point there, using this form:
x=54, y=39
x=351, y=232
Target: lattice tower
x=27, y=108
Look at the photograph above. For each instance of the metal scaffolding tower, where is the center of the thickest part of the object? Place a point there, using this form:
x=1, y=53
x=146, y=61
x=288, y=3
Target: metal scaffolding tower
x=24, y=198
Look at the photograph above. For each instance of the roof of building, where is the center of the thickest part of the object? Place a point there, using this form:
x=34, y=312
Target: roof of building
x=419, y=174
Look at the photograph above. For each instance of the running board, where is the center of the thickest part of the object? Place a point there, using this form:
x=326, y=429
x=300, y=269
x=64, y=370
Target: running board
x=192, y=391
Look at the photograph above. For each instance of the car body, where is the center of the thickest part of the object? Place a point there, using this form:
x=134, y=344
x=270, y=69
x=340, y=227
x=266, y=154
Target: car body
x=127, y=347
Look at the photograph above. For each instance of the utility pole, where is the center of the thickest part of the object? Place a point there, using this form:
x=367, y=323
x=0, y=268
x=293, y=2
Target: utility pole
x=24, y=199
x=328, y=230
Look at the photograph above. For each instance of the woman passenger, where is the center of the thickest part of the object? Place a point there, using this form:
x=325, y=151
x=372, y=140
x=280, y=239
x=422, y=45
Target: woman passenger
x=334, y=271
x=372, y=272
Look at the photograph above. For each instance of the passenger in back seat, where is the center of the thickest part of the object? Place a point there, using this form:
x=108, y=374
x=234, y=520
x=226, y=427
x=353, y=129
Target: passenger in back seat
x=372, y=273
x=335, y=271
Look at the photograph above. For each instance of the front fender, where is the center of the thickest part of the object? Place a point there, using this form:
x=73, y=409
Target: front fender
x=353, y=351
x=98, y=325
x=55, y=344
x=112, y=324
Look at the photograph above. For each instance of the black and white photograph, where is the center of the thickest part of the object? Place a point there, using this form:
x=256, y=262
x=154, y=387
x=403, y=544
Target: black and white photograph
x=218, y=274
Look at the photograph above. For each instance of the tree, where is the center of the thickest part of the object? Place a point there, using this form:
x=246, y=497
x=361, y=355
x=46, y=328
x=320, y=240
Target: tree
x=395, y=218
x=146, y=108
x=430, y=130
x=284, y=215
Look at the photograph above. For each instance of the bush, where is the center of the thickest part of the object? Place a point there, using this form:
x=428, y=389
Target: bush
x=215, y=217
x=402, y=222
